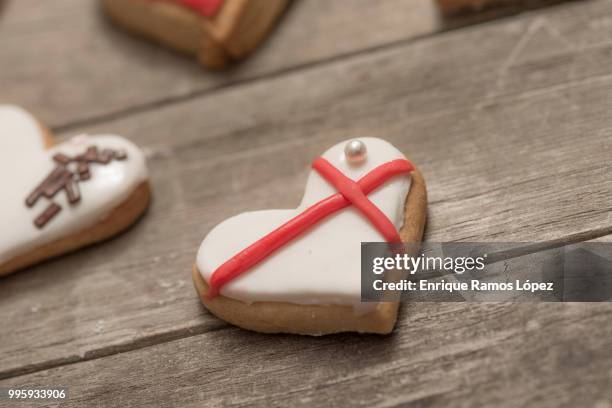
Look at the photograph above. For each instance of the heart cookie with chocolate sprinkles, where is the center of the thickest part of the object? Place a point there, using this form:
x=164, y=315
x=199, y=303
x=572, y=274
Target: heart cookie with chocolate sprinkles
x=58, y=198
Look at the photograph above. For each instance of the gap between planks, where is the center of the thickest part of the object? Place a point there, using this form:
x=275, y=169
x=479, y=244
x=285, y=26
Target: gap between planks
x=453, y=25
x=106, y=351
x=197, y=330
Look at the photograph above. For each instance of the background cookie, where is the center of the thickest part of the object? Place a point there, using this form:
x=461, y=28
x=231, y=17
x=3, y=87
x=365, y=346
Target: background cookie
x=217, y=32
x=60, y=198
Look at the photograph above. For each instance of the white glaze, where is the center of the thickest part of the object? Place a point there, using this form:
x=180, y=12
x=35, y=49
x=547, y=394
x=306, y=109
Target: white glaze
x=321, y=266
x=24, y=163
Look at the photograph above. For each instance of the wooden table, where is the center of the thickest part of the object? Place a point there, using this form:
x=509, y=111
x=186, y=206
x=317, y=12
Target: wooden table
x=509, y=121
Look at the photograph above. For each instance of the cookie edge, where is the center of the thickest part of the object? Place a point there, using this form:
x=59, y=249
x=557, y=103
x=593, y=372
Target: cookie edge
x=117, y=221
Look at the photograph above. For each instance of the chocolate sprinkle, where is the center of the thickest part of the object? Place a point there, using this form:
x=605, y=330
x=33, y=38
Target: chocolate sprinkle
x=47, y=215
x=91, y=154
x=105, y=157
x=62, y=178
x=83, y=169
x=43, y=188
x=61, y=158
x=120, y=154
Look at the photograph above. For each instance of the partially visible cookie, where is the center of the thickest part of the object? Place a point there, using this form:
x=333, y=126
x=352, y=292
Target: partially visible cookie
x=57, y=198
x=298, y=270
x=217, y=32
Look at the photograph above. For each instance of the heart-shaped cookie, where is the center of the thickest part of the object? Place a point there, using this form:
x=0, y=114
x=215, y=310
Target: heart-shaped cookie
x=311, y=284
x=217, y=32
x=57, y=198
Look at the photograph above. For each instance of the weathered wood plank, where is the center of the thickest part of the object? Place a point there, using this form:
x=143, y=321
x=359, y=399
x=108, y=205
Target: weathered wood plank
x=64, y=61
x=67, y=63
x=506, y=156
x=453, y=354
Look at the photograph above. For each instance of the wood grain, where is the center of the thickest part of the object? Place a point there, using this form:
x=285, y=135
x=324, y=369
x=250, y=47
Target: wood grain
x=513, y=137
x=442, y=354
x=73, y=64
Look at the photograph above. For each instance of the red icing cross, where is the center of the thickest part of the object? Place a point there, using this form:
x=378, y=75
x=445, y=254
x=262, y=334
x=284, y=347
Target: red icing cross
x=353, y=193
x=208, y=8
x=350, y=192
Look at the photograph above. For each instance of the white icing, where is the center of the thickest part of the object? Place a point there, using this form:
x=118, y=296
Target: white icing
x=24, y=164
x=321, y=266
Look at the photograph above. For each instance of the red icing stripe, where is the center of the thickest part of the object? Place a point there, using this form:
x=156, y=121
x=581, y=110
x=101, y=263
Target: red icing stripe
x=261, y=249
x=351, y=191
x=208, y=8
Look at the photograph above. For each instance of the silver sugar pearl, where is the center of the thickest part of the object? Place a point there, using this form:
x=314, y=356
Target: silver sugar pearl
x=355, y=152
